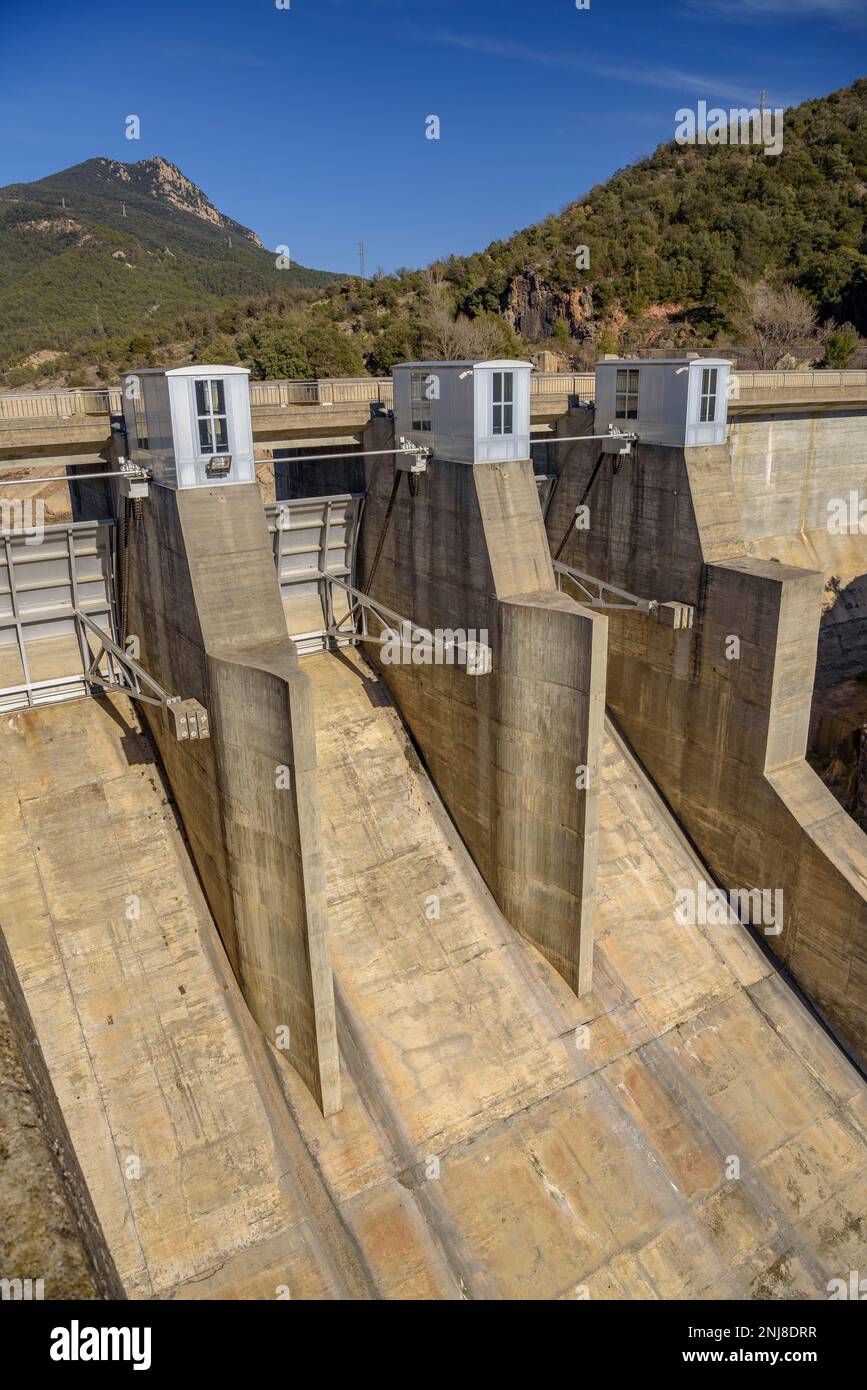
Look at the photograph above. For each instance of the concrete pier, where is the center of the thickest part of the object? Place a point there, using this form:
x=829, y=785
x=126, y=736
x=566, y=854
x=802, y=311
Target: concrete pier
x=203, y=599
x=719, y=714
x=506, y=750
x=371, y=995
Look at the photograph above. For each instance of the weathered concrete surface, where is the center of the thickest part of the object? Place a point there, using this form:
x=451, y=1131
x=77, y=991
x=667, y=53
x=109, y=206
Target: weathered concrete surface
x=468, y=552
x=566, y=1160
x=186, y=1173
x=203, y=598
x=788, y=471
x=593, y=1159
x=723, y=738
x=783, y=390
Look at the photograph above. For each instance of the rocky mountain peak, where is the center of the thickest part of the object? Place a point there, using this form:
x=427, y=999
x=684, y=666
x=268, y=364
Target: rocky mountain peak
x=165, y=182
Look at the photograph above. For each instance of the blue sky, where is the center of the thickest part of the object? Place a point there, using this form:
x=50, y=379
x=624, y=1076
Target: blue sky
x=308, y=124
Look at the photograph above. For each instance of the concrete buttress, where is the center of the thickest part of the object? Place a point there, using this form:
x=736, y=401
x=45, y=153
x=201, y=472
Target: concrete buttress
x=719, y=714
x=515, y=754
x=204, y=603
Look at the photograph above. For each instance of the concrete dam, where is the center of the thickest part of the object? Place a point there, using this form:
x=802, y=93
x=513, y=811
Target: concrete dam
x=417, y=882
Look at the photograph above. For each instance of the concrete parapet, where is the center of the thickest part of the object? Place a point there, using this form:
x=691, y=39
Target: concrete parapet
x=719, y=714
x=204, y=603
x=515, y=754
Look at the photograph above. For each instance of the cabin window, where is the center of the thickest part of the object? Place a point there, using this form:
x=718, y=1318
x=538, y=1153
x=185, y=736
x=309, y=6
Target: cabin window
x=626, y=403
x=708, y=395
x=138, y=405
x=503, y=407
x=211, y=415
x=421, y=385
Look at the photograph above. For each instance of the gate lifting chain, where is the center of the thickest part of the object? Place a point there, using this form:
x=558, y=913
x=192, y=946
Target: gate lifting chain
x=381, y=542
x=131, y=515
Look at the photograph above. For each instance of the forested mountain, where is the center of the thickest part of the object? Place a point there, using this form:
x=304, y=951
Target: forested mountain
x=674, y=242
x=108, y=249
x=686, y=225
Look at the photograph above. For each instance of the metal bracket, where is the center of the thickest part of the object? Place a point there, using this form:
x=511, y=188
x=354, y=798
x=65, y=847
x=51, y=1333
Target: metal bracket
x=134, y=481
x=412, y=458
x=618, y=441
x=595, y=592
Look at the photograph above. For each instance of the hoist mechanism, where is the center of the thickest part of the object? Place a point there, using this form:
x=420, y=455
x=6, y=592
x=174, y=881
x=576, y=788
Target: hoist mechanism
x=412, y=458
x=134, y=481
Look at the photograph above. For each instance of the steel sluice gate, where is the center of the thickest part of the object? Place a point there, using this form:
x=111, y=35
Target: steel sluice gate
x=57, y=593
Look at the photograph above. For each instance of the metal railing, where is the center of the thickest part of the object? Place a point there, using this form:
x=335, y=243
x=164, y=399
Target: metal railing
x=336, y=391
x=276, y=395
x=60, y=405
x=773, y=381
x=562, y=384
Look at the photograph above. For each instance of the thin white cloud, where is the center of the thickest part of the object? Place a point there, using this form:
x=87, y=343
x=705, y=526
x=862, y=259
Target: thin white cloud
x=188, y=52
x=816, y=10
x=666, y=79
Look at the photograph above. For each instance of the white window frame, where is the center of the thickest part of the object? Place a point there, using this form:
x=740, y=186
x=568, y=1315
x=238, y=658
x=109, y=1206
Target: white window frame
x=140, y=418
x=211, y=415
x=708, y=396
x=421, y=418
x=502, y=409
x=626, y=393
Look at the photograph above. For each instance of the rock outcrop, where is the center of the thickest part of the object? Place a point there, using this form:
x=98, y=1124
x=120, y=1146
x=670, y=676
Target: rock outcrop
x=532, y=307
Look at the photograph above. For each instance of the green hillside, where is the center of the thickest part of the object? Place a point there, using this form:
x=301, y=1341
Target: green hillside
x=109, y=249
x=685, y=225
x=675, y=242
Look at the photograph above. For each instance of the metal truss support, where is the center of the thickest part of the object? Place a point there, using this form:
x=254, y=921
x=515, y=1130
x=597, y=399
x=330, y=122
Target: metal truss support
x=394, y=628
x=126, y=677
x=598, y=593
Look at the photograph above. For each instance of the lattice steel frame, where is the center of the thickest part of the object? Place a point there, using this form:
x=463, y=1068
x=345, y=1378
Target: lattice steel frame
x=595, y=592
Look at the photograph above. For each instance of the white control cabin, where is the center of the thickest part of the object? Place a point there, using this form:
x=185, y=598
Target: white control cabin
x=190, y=425
x=677, y=401
x=470, y=412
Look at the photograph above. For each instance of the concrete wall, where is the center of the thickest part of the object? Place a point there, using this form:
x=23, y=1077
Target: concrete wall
x=203, y=600
x=319, y=479
x=724, y=739
x=468, y=551
x=787, y=466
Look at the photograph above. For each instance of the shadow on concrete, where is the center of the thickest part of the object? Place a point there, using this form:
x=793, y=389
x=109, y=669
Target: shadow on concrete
x=374, y=687
x=136, y=745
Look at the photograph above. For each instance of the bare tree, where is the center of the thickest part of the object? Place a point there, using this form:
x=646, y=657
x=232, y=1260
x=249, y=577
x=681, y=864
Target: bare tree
x=444, y=335
x=781, y=323
x=450, y=337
